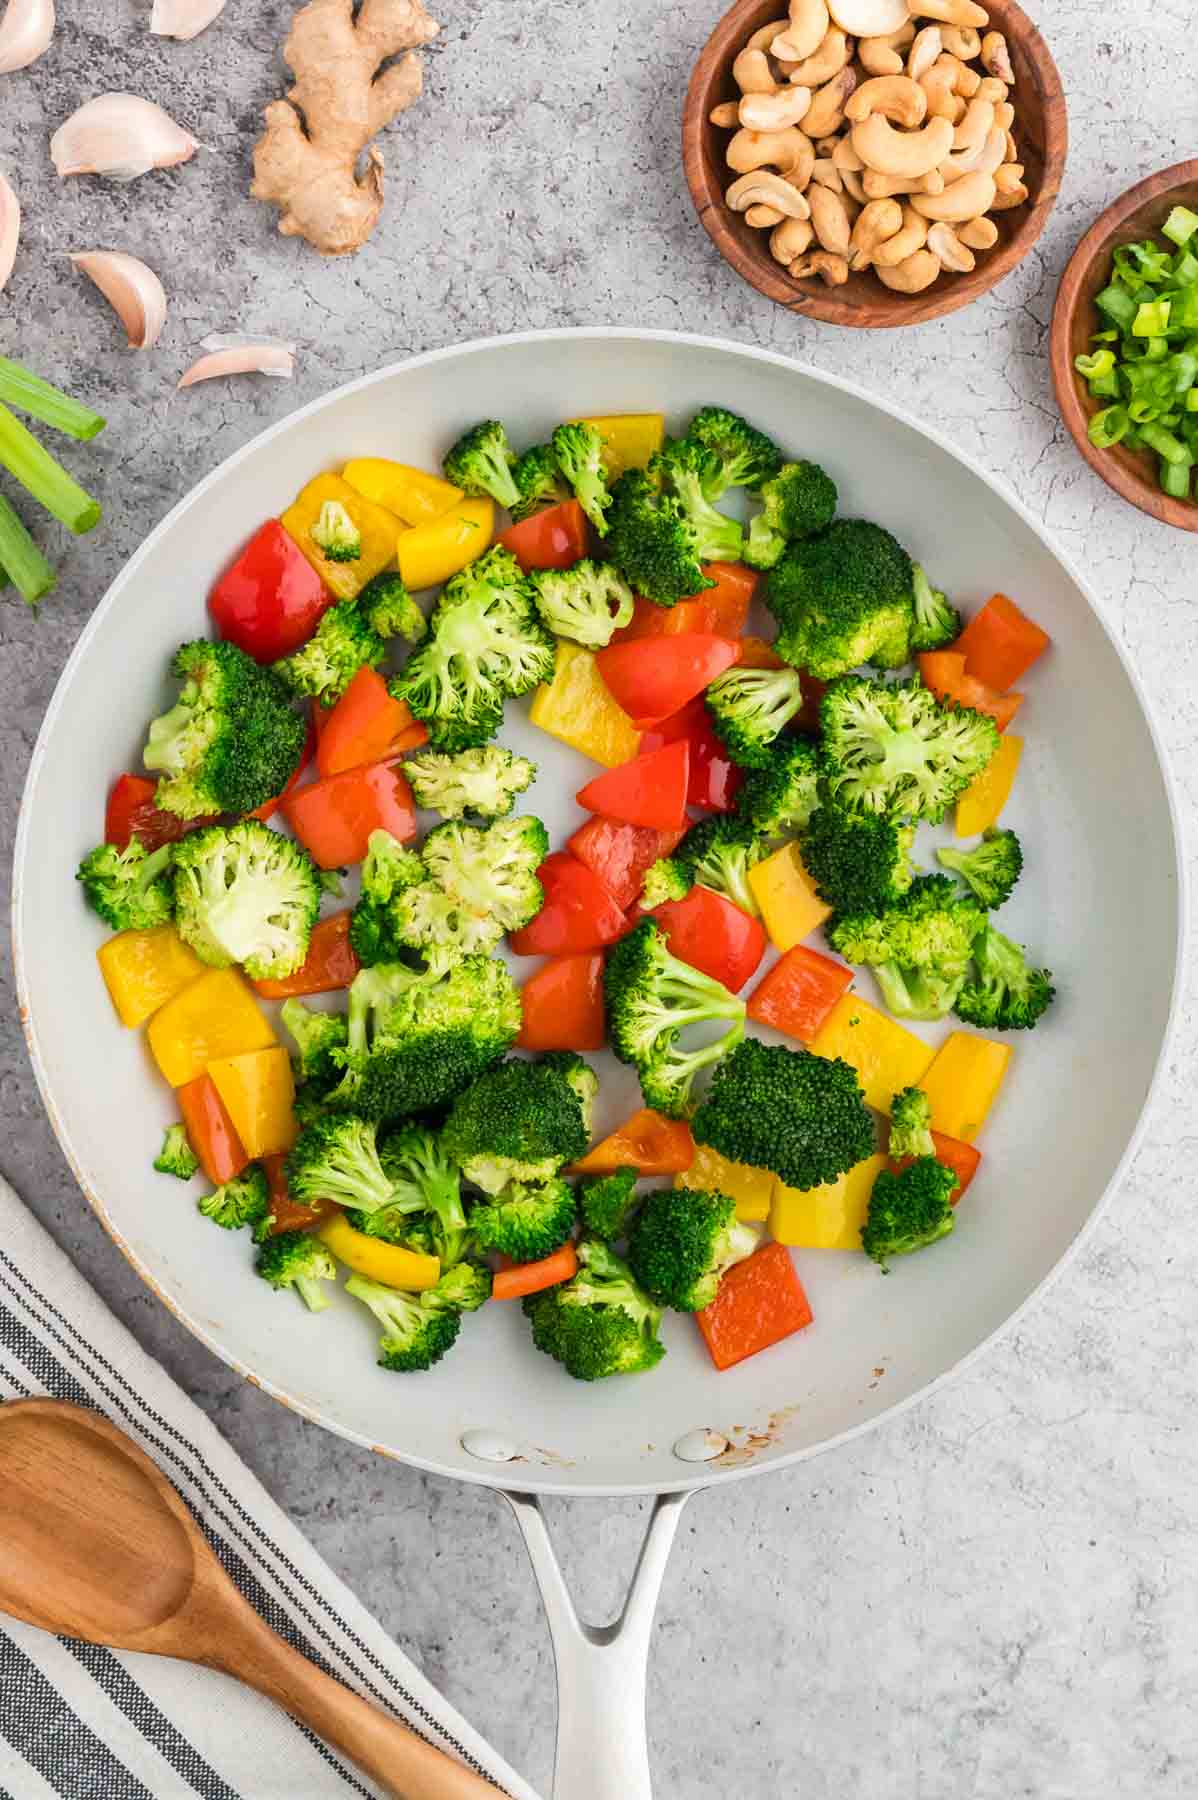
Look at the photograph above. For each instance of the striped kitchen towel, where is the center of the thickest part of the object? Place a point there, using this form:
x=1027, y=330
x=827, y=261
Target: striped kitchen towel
x=84, y=1723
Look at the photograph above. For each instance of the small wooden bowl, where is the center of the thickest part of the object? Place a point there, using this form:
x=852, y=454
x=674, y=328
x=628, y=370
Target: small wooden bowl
x=1041, y=128
x=1139, y=214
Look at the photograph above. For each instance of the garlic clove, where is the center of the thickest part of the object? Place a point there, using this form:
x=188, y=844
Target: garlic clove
x=184, y=19
x=10, y=228
x=242, y=356
x=119, y=135
x=25, y=33
x=134, y=292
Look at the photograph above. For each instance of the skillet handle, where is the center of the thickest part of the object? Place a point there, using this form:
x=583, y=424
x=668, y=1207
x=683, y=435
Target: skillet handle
x=602, y=1752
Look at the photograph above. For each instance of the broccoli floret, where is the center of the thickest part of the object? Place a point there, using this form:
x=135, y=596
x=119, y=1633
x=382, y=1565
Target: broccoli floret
x=342, y=644
x=335, y=534
x=491, y=870
x=131, y=889
x=415, y=1041
x=599, y=1323
x=428, y=921
x=718, y=853
x=418, y=1329
x=388, y=870
x=991, y=868
x=317, y=1036
x=483, y=462
x=859, y=862
x=246, y=894
x=780, y=799
x=521, y=1122
x=651, y=543
x=337, y=1158
x=843, y=598
x=691, y=473
x=937, y=621
x=389, y=609
x=919, y=947
x=176, y=1156
x=485, y=644
x=525, y=1221
x=666, y=880
x=799, y=501
x=465, y=1287
x=579, y=1077
x=231, y=742
x=425, y=1180
x=891, y=747
x=296, y=1260
x=586, y=603
x=243, y=1201
x=579, y=451
x=749, y=707
x=537, y=480
x=683, y=1242
x=908, y=1212
x=485, y=781
x=911, y=1125
x=742, y=456
x=651, y=998
x=803, y=1116
x=1008, y=995
x=607, y=1204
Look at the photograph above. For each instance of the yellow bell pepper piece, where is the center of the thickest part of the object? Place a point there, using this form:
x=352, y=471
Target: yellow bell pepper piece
x=629, y=439
x=963, y=1082
x=429, y=554
x=213, y=1017
x=826, y=1218
x=378, y=527
x=752, y=1189
x=142, y=970
x=389, y=1264
x=259, y=1094
x=577, y=707
x=887, y=1058
x=981, y=805
x=789, y=904
x=412, y=495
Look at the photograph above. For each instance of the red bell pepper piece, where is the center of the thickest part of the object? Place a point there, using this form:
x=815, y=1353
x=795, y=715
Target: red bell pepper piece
x=714, y=780
x=330, y=965
x=760, y=1302
x=270, y=600
x=723, y=608
x=289, y=1214
x=563, y=1005
x=963, y=1159
x=621, y=855
x=650, y=790
x=553, y=539
x=131, y=813
x=651, y=678
x=333, y=819
x=519, y=1279
x=944, y=672
x=1000, y=644
x=366, y=725
x=210, y=1131
x=799, y=992
x=579, y=913
x=647, y=1141
x=713, y=935
x=269, y=808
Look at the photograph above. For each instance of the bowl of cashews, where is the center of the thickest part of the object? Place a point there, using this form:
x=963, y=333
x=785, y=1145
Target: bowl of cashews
x=874, y=163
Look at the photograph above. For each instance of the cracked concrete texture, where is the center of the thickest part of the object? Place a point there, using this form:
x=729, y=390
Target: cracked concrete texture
x=990, y=1597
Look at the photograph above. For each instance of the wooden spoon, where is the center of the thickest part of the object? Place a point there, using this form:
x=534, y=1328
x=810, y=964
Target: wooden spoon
x=95, y=1543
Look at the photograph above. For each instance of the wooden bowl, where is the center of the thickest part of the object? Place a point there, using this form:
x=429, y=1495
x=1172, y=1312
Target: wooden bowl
x=1041, y=128
x=1139, y=214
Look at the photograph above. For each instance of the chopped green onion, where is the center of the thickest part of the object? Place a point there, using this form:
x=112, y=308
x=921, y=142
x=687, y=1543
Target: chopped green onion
x=1181, y=225
x=1105, y=337
x=1109, y=427
x=30, y=394
x=21, y=559
x=1152, y=320
x=1176, y=478
x=45, y=478
x=1117, y=304
x=1094, y=367
x=1165, y=444
x=1192, y=400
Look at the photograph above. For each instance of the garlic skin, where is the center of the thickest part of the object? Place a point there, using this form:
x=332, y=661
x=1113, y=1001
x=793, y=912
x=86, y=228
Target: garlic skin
x=122, y=136
x=184, y=19
x=132, y=290
x=25, y=33
x=237, y=355
x=10, y=228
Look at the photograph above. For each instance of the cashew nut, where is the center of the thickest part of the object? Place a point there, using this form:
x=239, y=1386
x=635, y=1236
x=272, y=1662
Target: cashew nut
x=831, y=220
x=1009, y=189
x=761, y=188
x=825, y=174
x=882, y=55
x=763, y=37
x=979, y=234
x=790, y=239
x=726, y=115
x=834, y=269
x=854, y=186
x=954, y=12
x=949, y=251
x=924, y=52
x=896, y=97
x=846, y=158
x=993, y=89
x=968, y=198
x=971, y=133
x=880, y=220
x=912, y=236
x=775, y=112
x=826, y=114
x=1012, y=154
x=1004, y=115
x=962, y=40
x=825, y=147
x=886, y=187
x=763, y=218
x=966, y=81
x=891, y=152
x=789, y=152
x=752, y=73
x=940, y=94
x=829, y=60
x=869, y=18
x=986, y=157
x=805, y=32
x=996, y=57
x=917, y=273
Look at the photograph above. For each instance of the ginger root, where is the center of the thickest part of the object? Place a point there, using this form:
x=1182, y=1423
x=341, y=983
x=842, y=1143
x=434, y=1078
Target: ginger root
x=306, y=161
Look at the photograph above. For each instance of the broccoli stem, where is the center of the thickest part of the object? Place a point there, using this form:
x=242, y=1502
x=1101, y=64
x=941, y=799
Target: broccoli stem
x=21, y=388
x=21, y=559
x=45, y=478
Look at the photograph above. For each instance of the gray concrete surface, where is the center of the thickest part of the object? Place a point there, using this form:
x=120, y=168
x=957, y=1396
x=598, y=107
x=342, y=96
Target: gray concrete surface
x=991, y=1598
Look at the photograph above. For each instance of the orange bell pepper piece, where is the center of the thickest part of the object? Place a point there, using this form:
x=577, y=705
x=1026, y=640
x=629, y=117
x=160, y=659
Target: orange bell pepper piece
x=210, y=1130
x=1001, y=643
x=330, y=965
x=648, y=1142
x=533, y=1278
x=760, y=1302
x=563, y=1005
x=259, y=1092
x=288, y=1214
x=367, y=725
